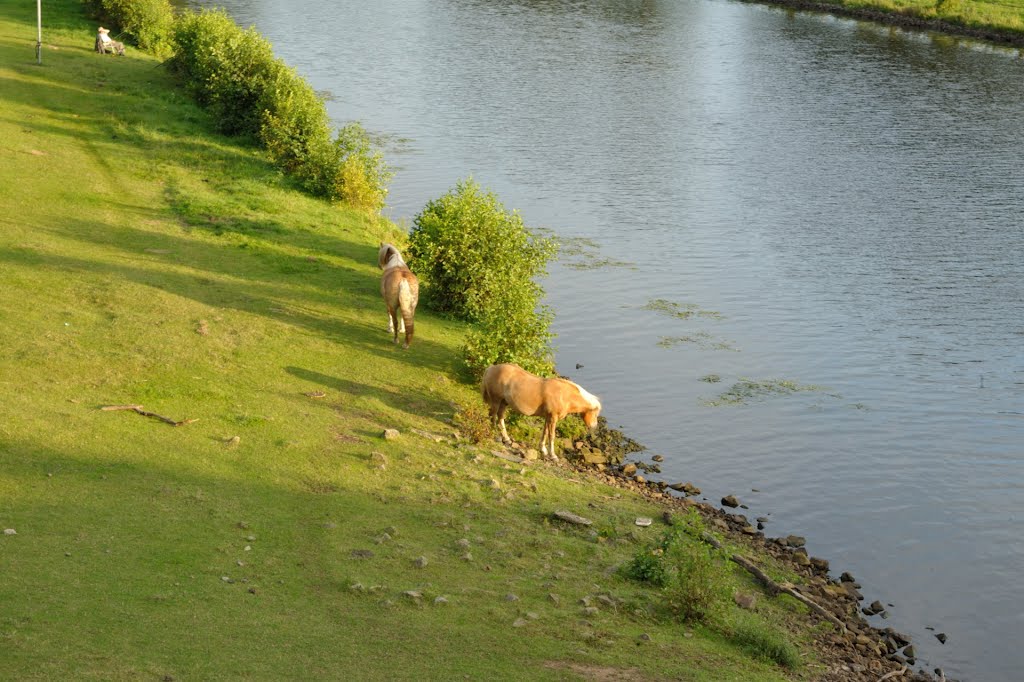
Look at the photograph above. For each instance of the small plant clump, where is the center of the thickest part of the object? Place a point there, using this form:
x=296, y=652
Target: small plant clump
x=746, y=390
x=682, y=311
x=473, y=422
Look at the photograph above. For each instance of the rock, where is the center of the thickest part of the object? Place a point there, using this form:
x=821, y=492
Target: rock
x=463, y=543
x=941, y=636
x=644, y=637
x=820, y=564
x=519, y=622
x=801, y=559
x=658, y=458
x=468, y=556
x=492, y=483
x=511, y=597
x=378, y=460
x=413, y=594
x=795, y=541
x=730, y=501
x=531, y=455
x=846, y=578
x=909, y=652
x=361, y=554
x=554, y=598
x=439, y=601
x=390, y=434
x=629, y=469
x=569, y=517
x=640, y=479
x=744, y=601
x=10, y=531
x=595, y=457
x=420, y=562
x=678, y=487
x=873, y=608
x=590, y=610
x=643, y=521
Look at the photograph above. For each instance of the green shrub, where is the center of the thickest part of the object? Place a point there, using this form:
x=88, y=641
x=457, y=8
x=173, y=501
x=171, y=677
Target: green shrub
x=234, y=74
x=476, y=255
x=148, y=23
x=511, y=333
x=479, y=262
x=697, y=589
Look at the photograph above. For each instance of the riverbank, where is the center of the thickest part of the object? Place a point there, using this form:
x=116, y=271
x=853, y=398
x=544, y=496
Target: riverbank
x=275, y=529
x=991, y=22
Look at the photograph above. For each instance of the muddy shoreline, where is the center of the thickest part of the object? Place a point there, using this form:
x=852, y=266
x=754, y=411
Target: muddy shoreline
x=993, y=35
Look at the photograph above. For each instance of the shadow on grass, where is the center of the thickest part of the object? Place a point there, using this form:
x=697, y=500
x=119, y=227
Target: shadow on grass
x=274, y=300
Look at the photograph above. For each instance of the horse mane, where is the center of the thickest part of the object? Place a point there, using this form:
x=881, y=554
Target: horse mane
x=387, y=253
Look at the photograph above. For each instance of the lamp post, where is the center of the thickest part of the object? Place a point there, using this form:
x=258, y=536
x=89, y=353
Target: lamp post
x=39, y=29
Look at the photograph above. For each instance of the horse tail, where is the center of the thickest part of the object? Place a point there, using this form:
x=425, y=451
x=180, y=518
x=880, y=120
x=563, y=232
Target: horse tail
x=407, y=305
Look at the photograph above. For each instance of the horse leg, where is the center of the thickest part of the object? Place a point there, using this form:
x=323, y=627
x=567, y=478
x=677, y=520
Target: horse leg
x=501, y=423
x=393, y=322
x=551, y=429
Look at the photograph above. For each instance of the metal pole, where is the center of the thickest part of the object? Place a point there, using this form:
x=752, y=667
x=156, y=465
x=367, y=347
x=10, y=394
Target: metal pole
x=39, y=35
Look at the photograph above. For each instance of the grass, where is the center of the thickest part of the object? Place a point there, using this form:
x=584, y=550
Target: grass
x=1000, y=17
x=147, y=260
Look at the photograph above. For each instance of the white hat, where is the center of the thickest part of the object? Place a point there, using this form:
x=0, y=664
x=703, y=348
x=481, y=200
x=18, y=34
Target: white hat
x=103, y=30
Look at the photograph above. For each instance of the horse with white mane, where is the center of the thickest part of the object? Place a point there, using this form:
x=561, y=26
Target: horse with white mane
x=510, y=385
x=400, y=289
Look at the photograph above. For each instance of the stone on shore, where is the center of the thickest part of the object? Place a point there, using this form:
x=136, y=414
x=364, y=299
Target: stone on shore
x=730, y=501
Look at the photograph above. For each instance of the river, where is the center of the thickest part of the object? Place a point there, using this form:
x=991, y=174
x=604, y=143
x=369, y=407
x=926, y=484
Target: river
x=827, y=209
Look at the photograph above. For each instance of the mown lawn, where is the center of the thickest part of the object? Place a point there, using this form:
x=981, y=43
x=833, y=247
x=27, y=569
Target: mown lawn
x=146, y=260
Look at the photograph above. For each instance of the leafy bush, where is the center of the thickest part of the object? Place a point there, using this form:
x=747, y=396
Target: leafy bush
x=480, y=262
x=697, y=590
x=149, y=23
x=511, y=333
x=233, y=73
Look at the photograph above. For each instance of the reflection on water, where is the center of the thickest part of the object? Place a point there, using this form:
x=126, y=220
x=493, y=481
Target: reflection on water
x=846, y=197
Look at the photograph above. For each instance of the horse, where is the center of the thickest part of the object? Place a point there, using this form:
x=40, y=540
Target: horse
x=400, y=289
x=508, y=385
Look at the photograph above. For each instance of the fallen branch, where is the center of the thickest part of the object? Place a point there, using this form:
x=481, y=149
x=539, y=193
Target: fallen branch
x=775, y=588
x=894, y=673
x=139, y=409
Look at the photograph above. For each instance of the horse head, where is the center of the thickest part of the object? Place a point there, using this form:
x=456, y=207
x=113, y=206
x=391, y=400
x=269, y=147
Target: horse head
x=386, y=253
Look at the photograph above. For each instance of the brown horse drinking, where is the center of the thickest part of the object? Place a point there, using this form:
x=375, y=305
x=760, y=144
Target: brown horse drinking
x=511, y=385
x=400, y=289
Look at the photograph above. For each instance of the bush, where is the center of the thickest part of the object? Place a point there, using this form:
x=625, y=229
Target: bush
x=234, y=74
x=149, y=23
x=480, y=262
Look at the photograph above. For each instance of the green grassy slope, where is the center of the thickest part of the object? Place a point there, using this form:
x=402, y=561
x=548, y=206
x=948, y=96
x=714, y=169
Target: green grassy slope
x=146, y=260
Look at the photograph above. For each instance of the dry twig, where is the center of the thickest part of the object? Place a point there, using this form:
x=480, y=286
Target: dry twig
x=139, y=409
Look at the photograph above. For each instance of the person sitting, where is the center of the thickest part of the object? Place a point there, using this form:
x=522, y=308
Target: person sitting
x=104, y=44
